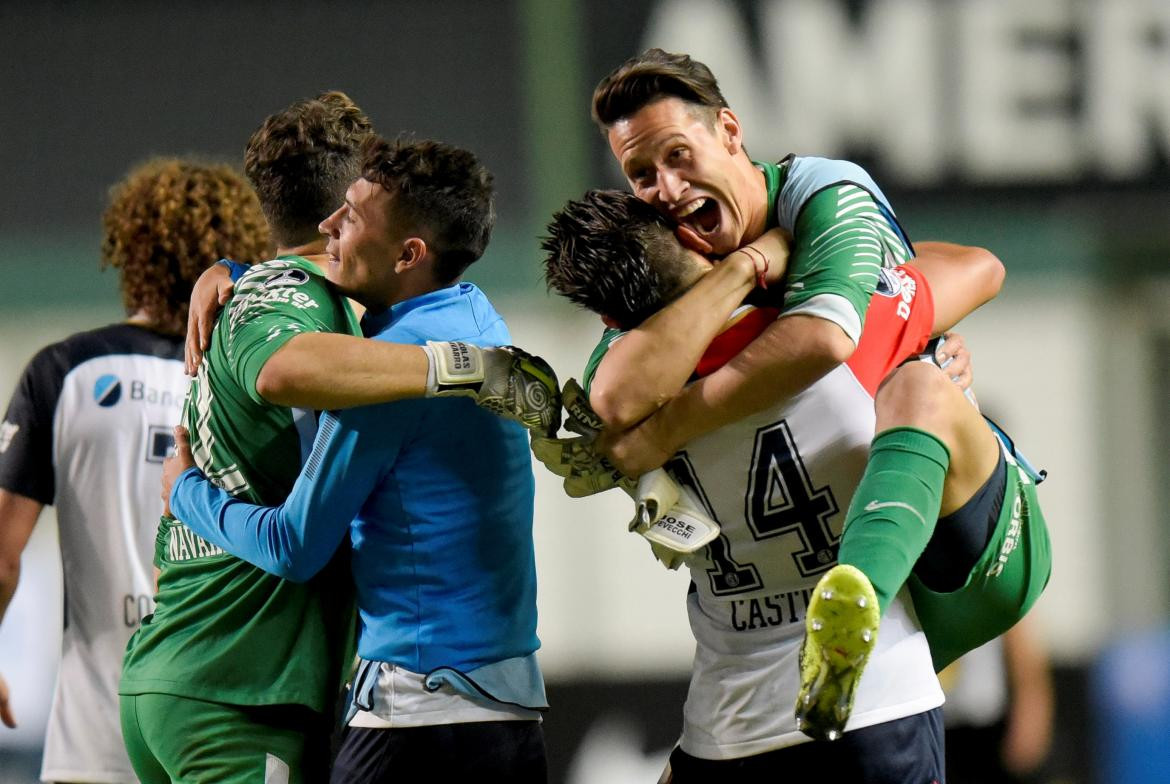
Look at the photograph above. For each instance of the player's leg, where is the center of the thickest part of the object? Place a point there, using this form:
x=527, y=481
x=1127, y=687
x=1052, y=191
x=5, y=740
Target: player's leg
x=511, y=752
x=909, y=749
x=931, y=454
x=964, y=594
x=146, y=766
x=194, y=740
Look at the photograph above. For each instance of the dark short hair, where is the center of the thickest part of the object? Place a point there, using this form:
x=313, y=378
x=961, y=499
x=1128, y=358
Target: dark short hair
x=168, y=220
x=438, y=188
x=651, y=76
x=615, y=255
x=302, y=159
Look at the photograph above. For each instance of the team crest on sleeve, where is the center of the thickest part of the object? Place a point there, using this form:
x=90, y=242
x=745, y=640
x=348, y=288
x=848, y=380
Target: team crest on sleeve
x=889, y=282
x=8, y=431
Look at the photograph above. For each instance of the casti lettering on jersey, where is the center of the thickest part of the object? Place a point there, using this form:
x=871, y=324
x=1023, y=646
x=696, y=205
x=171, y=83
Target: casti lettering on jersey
x=763, y=611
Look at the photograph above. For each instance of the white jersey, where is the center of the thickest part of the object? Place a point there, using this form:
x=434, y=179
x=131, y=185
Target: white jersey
x=87, y=430
x=779, y=484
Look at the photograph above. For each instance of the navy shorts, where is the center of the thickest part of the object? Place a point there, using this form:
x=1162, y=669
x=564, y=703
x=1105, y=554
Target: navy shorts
x=487, y=752
x=903, y=751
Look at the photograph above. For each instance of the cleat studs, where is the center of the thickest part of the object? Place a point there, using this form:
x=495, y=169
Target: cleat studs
x=827, y=594
x=833, y=734
x=861, y=602
x=816, y=625
x=867, y=635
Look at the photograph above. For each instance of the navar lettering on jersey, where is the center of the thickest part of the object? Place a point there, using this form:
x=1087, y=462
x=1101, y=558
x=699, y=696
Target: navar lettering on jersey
x=186, y=545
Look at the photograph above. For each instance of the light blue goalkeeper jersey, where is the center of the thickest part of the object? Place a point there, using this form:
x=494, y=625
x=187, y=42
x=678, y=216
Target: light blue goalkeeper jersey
x=437, y=498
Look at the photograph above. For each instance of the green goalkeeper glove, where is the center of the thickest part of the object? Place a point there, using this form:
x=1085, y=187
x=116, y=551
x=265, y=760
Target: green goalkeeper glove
x=503, y=379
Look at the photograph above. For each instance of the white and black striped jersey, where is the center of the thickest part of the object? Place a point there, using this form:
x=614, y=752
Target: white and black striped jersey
x=87, y=430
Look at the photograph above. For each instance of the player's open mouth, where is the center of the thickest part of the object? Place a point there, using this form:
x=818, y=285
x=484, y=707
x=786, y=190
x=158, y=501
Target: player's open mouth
x=702, y=215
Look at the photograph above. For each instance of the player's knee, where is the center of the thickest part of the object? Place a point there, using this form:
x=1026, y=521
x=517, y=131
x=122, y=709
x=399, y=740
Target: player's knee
x=917, y=394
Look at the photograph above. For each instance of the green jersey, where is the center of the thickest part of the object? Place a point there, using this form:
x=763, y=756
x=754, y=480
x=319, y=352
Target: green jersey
x=224, y=630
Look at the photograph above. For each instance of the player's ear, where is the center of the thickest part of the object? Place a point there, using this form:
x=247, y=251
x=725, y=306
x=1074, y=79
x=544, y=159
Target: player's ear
x=609, y=322
x=411, y=254
x=728, y=125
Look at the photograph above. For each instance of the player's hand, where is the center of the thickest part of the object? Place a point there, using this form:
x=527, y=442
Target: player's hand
x=5, y=708
x=505, y=380
x=209, y=294
x=767, y=256
x=637, y=450
x=175, y=465
x=955, y=360
x=585, y=472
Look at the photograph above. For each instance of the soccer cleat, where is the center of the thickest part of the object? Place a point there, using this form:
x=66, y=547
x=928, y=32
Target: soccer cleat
x=839, y=635
x=505, y=380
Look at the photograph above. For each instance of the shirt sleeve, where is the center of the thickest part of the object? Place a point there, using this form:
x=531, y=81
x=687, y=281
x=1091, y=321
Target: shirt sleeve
x=844, y=233
x=26, y=433
x=270, y=307
x=608, y=338
x=352, y=452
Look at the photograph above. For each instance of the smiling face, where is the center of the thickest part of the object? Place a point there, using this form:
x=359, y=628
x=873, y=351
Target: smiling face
x=364, y=246
x=693, y=171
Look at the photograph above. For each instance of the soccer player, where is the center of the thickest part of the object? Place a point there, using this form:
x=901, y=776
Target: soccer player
x=87, y=430
x=682, y=150
x=776, y=482
x=234, y=676
x=436, y=498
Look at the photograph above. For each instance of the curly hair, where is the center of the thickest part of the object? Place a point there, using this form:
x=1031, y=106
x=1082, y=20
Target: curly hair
x=167, y=221
x=653, y=75
x=441, y=188
x=615, y=255
x=300, y=161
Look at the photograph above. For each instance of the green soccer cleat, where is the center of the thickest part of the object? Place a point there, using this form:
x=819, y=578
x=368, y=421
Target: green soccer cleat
x=840, y=632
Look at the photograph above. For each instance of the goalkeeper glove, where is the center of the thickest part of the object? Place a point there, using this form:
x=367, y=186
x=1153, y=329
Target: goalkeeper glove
x=503, y=379
x=573, y=457
x=670, y=518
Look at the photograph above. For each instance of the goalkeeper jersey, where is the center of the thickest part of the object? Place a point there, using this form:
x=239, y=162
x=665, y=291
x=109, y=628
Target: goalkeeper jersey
x=87, y=430
x=224, y=630
x=436, y=497
x=779, y=483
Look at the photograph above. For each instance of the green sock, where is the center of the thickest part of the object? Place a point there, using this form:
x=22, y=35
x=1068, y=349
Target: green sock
x=895, y=508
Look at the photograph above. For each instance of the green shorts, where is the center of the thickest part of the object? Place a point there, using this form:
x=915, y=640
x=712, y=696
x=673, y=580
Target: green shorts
x=179, y=739
x=1002, y=586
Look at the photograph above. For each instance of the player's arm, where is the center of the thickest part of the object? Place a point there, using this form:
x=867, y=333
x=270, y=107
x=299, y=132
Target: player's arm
x=661, y=353
x=296, y=539
x=961, y=279
x=323, y=370
x=18, y=516
x=788, y=356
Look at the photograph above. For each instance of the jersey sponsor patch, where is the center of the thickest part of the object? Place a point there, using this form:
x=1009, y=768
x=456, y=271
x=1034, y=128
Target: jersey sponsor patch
x=107, y=391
